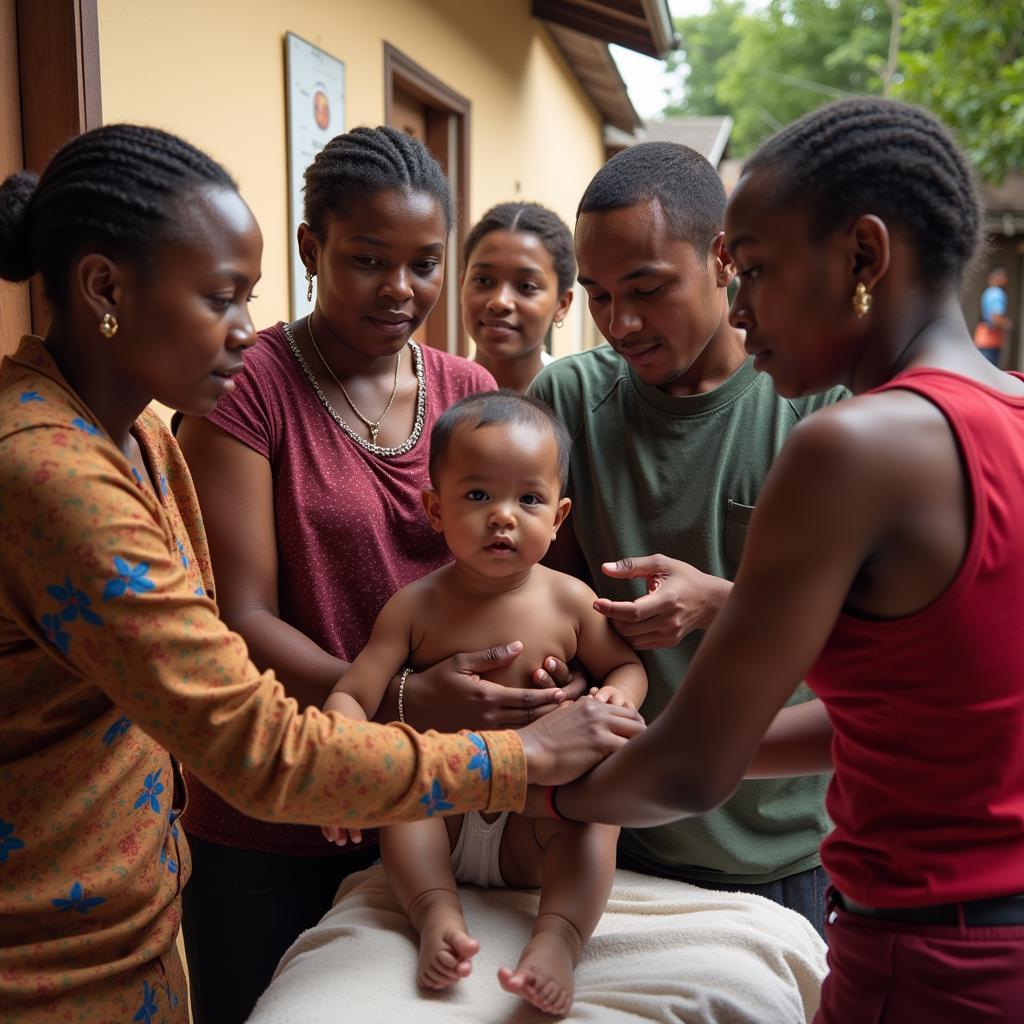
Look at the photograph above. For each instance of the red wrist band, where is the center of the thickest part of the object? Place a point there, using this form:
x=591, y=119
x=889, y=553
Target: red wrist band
x=549, y=799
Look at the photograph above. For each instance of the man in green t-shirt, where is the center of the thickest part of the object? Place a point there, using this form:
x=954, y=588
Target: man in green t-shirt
x=674, y=431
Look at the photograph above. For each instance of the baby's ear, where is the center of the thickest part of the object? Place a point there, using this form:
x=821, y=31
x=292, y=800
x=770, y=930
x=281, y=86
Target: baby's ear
x=564, y=505
x=432, y=506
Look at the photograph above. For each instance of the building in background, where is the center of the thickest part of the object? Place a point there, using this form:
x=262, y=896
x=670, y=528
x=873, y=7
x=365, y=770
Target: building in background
x=513, y=97
x=708, y=135
x=1004, y=228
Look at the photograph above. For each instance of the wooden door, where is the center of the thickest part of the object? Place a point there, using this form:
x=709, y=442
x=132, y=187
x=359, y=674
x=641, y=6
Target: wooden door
x=420, y=104
x=15, y=307
x=409, y=114
x=49, y=93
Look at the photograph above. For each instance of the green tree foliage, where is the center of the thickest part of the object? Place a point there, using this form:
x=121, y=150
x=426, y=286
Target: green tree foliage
x=697, y=69
x=772, y=65
x=768, y=64
x=965, y=62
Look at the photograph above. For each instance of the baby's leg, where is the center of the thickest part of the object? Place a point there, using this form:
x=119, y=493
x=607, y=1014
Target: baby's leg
x=577, y=870
x=417, y=859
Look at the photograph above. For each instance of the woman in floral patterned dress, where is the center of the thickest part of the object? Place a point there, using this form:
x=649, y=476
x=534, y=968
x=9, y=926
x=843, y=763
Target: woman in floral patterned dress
x=113, y=662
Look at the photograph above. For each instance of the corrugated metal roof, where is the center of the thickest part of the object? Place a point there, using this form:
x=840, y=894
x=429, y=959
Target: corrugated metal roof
x=1007, y=197
x=707, y=135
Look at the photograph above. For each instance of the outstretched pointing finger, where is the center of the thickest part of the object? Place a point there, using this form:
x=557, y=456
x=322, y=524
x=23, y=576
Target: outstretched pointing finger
x=634, y=568
x=642, y=608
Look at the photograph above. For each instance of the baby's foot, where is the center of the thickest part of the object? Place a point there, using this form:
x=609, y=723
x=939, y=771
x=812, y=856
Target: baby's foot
x=446, y=954
x=544, y=975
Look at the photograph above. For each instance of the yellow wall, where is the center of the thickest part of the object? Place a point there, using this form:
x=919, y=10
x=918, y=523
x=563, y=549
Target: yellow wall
x=213, y=71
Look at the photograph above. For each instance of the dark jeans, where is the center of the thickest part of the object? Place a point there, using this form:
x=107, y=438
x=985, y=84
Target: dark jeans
x=241, y=910
x=803, y=892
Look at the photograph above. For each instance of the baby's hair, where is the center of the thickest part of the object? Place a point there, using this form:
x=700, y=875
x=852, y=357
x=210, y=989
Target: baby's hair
x=686, y=186
x=537, y=220
x=112, y=189
x=497, y=408
x=365, y=161
x=881, y=157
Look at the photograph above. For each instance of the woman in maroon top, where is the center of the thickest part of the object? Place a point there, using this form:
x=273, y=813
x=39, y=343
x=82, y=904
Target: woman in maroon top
x=309, y=476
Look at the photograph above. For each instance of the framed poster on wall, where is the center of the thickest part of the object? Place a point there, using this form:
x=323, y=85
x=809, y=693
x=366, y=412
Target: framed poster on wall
x=315, y=87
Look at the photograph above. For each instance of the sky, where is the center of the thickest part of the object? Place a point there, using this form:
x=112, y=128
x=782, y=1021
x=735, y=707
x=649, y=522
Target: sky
x=644, y=76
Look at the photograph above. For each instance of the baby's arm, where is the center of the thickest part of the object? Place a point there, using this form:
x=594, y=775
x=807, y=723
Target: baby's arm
x=605, y=655
x=338, y=700
x=358, y=693
x=360, y=690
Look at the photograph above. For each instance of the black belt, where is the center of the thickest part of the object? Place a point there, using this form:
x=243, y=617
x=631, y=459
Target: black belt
x=1003, y=910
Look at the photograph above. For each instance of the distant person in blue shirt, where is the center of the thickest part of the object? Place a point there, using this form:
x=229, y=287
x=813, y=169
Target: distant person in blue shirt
x=994, y=327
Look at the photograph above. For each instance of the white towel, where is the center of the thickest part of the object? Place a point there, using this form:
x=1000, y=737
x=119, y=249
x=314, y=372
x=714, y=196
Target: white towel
x=664, y=951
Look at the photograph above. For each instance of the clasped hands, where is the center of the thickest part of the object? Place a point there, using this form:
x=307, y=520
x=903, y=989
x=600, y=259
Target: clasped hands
x=455, y=694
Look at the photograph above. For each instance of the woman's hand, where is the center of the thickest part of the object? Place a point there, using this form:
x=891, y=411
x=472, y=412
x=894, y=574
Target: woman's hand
x=455, y=693
x=554, y=673
x=679, y=599
x=611, y=695
x=562, y=746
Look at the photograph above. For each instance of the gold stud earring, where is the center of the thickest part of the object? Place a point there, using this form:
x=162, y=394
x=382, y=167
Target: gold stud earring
x=861, y=300
x=309, y=285
x=108, y=325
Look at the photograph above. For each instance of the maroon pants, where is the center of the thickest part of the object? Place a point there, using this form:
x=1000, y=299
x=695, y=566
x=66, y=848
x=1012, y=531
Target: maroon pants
x=885, y=972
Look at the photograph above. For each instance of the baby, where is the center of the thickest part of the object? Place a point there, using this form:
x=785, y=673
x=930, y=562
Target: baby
x=498, y=466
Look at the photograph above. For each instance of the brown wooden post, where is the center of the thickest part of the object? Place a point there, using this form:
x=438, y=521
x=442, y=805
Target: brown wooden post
x=58, y=82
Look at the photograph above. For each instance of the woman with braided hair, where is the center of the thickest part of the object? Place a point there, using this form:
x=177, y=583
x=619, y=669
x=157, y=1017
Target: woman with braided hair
x=310, y=477
x=884, y=565
x=518, y=269
x=111, y=650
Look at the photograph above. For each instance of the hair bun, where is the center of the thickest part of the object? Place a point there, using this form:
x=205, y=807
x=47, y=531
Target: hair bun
x=16, y=263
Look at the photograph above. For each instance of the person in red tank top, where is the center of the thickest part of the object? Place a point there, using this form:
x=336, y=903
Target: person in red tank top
x=884, y=564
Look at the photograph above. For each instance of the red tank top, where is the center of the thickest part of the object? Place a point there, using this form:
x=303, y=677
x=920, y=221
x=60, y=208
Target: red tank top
x=928, y=709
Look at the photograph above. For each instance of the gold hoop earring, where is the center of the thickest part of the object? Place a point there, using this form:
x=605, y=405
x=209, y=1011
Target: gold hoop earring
x=861, y=300
x=309, y=285
x=108, y=325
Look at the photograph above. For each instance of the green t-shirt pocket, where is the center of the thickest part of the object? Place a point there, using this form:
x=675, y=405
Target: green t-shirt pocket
x=737, y=519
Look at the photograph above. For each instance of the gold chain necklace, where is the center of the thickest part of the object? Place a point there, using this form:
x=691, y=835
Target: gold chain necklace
x=372, y=425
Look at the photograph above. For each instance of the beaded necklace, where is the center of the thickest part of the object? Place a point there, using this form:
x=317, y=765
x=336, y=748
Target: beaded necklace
x=421, y=401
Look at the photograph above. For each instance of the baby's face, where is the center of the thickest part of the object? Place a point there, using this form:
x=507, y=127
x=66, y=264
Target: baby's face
x=498, y=498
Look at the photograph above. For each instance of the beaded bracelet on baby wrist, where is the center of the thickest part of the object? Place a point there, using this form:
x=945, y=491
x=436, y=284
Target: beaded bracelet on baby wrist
x=406, y=672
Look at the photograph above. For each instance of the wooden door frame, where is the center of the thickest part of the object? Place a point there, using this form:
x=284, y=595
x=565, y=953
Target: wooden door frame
x=448, y=108
x=15, y=305
x=59, y=85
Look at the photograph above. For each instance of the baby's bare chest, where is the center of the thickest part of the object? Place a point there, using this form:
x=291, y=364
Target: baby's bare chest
x=456, y=626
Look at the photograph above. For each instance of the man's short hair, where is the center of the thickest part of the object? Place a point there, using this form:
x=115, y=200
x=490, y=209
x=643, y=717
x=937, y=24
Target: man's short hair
x=685, y=185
